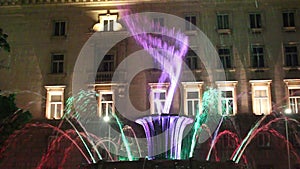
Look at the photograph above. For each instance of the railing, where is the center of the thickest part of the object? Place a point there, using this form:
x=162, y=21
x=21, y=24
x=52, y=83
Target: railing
x=104, y=76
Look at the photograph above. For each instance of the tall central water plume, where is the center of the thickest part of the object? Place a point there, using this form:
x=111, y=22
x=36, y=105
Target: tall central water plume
x=168, y=47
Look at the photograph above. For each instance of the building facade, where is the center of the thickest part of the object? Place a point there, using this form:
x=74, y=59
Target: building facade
x=256, y=43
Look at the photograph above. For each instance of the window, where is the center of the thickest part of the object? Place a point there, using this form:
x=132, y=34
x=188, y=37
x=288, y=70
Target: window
x=225, y=57
x=293, y=88
x=54, y=102
x=108, y=25
x=106, y=103
x=158, y=97
x=107, y=22
x=59, y=28
x=106, y=69
x=264, y=139
x=192, y=60
x=227, y=97
x=57, y=63
x=223, y=21
x=257, y=53
x=191, y=22
x=192, y=98
x=291, y=55
x=261, y=96
x=107, y=64
x=294, y=99
x=288, y=18
x=158, y=23
x=255, y=20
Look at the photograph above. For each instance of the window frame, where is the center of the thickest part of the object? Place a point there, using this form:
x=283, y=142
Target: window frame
x=101, y=102
x=54, y=91
x=227, y=86
x=60, y=33
x=192, y=87
x=226, y=56
x=256, y=25
x=290, y=45
x=191, y=22
x=108, y=22
x=225, y=26
x=256, y=57
x=261, y=85
x=292, y=84
x=290, y=26
x=56, y=63
x=191, y=60
x=154, y=89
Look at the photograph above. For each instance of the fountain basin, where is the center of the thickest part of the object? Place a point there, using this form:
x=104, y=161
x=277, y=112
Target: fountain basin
x=164, y=134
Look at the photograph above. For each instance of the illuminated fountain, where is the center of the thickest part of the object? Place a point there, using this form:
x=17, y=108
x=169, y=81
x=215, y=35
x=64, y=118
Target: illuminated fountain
x=164, y=131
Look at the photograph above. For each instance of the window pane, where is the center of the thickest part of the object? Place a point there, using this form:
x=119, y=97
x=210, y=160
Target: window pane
x=111, y=25
x=227, y=94
x=105, y=25
x=196, y=107
x=294, y=92
x=260, y=93
x=192, y=95
x=62, y=28
x=107, y=97
x=55, y=98
x=190, y=107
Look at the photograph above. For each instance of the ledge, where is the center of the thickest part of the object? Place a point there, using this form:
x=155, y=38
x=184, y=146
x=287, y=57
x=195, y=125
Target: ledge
x=224, y=31
x=291, y=68
x=289, y=29
x=256, y=30
x=259, y=69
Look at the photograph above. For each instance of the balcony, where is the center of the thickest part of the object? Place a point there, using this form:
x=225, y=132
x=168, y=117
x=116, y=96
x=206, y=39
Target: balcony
x=104, y=76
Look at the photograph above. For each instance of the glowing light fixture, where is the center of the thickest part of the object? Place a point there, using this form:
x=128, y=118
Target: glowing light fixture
x=106, y=118
x=287, y=111
x=107, y=22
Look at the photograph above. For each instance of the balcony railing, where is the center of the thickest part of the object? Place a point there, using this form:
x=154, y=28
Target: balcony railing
x=104, y=76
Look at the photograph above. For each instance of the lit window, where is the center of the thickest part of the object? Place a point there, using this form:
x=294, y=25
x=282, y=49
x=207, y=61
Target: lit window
x=261, y=96
x=106, y=103
x=291, y=55
x=54, y=102
x=255, y=20
x=257, y=54
x=192, y=98
x=59, y=28
x=191, y=22
x=225, y=57
x=293, y=87
x=191, y=60
x=107, y=22
x=158, y=23
x=158, y=96
x=288, y=18
x=57, y=63
x=264, y=139
x=227, y=97
x=223, y=21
